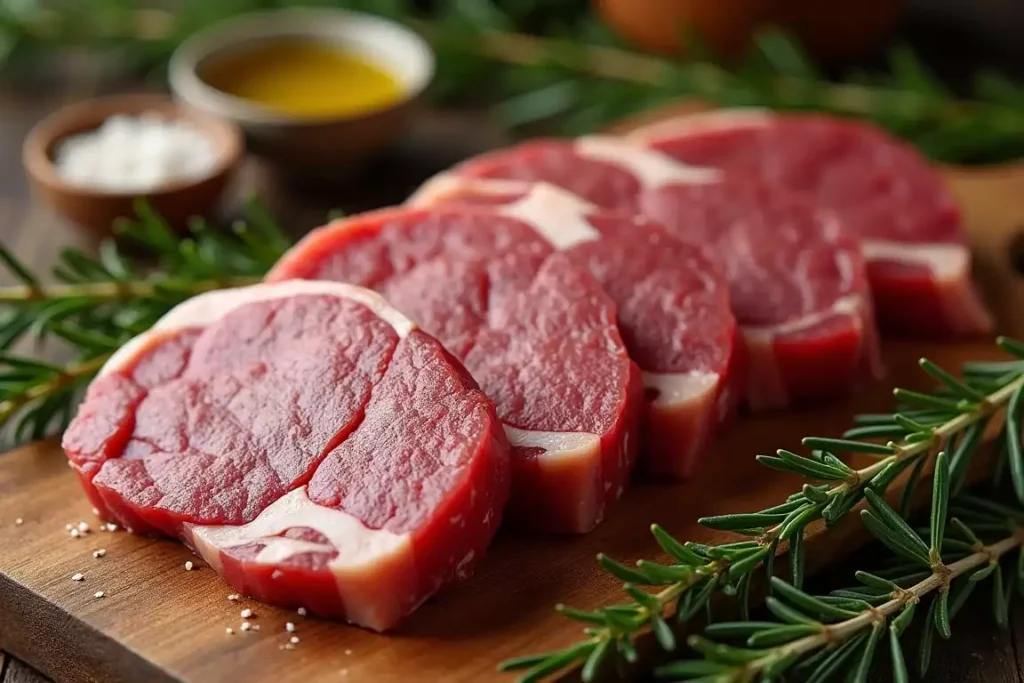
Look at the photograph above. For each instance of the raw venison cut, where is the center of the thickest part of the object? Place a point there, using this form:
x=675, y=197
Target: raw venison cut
x=312, y=444
x=882, y=189
x=804, y=311
x=537, y=333
x=798, y=285
x=608, y=172
x=673, y=309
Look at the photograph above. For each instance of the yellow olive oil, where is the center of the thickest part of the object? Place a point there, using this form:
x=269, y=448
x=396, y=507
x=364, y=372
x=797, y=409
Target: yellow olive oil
x=305, y=79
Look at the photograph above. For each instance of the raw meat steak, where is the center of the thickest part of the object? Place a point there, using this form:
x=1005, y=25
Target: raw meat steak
x=310, y=442
x=536, y=332
x=804, y=312
x=673, y=309
x=608, y=172
x=798, y=285
x=882, y=189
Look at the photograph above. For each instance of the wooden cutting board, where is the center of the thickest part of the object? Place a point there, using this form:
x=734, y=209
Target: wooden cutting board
x=159, y=622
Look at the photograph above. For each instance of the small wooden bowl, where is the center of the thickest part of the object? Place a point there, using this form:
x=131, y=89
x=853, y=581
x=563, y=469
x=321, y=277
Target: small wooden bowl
x=96, y=210
x=316, y=147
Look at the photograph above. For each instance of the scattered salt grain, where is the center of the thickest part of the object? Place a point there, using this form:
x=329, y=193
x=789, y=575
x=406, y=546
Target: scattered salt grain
x=99, y=594
x=69, y=527
x=246, y=613
x=234, y=597
x=290, y=627
x=77, y=577
x=75, y=533
x=99, y=553
x=246, y=626
x=294, y=640
x=301, y=611
x=286, y=646
x=19, y=521
x=230, y=631
x=83, y=528
x=255, y=627
x=111, y=527
x=188, y=566
x=136, y=154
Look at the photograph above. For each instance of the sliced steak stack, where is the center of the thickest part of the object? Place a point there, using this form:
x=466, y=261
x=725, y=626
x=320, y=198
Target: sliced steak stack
x=537, y=333
x=672, y=302
x=796, y=278
x=883, y=190
x=309, y=441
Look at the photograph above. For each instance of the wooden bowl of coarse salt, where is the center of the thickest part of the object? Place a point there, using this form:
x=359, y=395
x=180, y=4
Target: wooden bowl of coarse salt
x=91, y=161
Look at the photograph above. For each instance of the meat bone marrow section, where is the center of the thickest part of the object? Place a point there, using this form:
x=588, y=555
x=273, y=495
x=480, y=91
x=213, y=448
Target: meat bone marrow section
x=672, y=302
x=310, y=442
x=797, y=282
x=537, y=333
x=882, y=189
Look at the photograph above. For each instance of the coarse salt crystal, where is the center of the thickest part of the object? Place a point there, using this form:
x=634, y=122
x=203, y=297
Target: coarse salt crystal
x=230, y=631
x=19, y=521
x=234, y=597
x=246, y=626
x=69, y=527
x=290, y=627
x=75, y=533
x=99, y=594
x=255, y=627
x=77, y=577
x=246, y=613
x=111, y=527
x=83, y=527
x=99, y=553
x=188, y=566
x=301, y=611
x=294, y=640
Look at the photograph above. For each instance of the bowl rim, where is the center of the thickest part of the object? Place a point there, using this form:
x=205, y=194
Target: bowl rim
x=86, y=115
x=314, y=22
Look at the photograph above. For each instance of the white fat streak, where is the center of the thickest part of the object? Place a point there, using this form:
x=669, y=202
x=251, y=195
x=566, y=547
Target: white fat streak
x=699, y=123
x=850, y=305
x=206, y=309
x=358, y=547
x=446, y=184
x=679, y=388
x=557, y=445
x=653, y=169
x=556, y=214
x=946, y=262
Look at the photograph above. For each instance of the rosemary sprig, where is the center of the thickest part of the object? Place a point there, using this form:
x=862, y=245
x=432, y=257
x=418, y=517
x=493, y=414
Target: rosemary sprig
x=835, y=636
x=576, y=77
x=955, y=415
x=102, y=301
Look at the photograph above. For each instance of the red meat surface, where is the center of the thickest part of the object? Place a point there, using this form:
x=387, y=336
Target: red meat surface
x=796, y=278
x=883, y=190
x=536, y=332
x=673, y=309
x=309, y=442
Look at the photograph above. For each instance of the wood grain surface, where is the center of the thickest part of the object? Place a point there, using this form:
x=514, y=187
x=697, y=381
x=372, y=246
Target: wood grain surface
x=158, y=622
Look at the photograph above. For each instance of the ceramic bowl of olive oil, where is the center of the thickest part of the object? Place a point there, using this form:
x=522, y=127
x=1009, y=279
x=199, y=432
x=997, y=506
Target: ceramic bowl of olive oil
x=316, y=91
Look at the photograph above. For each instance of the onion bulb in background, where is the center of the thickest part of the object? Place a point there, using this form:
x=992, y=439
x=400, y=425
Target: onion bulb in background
x=831, y=30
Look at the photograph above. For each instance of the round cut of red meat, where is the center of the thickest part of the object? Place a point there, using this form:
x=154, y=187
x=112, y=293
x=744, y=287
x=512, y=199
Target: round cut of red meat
x=536, y=332
x=797, y=284
x=809, y=332
x=883, y=191
x=310, y=442
x=672, y=302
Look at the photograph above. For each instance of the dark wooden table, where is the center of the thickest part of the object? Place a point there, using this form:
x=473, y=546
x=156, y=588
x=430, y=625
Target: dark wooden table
x=979, y=652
